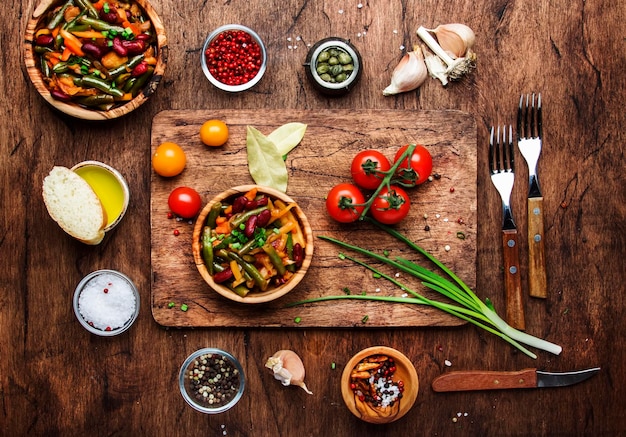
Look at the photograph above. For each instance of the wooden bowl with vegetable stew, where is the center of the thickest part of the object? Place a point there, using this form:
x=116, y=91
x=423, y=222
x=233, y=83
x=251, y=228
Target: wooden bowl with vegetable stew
x=252, y=244
x=95, y=60
x=379, y=385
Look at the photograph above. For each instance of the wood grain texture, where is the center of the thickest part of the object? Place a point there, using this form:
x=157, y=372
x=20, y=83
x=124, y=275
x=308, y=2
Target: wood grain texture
x=512, y=280
x=57, y=380
x=485, y=380
x=321, y=161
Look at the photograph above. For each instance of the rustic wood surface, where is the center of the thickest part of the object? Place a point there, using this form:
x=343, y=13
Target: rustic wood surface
x=321, y=161
x=57, y=379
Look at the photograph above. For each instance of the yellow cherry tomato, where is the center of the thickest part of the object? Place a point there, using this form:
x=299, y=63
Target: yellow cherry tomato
x=169, y=159
x=214, y=133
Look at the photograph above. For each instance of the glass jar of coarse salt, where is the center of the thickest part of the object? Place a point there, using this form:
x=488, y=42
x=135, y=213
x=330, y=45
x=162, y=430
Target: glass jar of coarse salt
x=106, y=302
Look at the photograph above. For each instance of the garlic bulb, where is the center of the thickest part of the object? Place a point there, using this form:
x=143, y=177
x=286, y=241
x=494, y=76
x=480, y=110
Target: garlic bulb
x=455, y=38
x=288, y=369
x=409, y=74
x=456, y=67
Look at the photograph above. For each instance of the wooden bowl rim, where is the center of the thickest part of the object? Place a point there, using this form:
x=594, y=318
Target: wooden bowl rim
x=73, y=109
x=403, y=364
x=274, y=293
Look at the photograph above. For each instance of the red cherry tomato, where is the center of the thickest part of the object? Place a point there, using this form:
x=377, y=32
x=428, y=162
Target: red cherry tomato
x=420, y=168
x=391, y=206
x=341, y=203
x=185, y=202
x=366, y=168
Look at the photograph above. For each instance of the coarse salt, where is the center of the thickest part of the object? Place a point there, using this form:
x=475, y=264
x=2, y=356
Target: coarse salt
x=107, y=302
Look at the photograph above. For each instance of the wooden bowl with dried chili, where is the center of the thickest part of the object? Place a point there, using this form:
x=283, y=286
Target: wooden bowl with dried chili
x=379, y=385
x=252, y=244
x=95, y=60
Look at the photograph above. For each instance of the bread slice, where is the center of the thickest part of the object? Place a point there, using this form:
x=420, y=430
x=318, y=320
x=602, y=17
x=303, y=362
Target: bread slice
x=72, y=203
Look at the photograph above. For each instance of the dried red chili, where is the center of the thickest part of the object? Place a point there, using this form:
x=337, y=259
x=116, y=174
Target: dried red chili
x=234, y=57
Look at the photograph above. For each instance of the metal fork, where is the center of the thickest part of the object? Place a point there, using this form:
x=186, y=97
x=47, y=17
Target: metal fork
x=529, y=143
x=501, y=166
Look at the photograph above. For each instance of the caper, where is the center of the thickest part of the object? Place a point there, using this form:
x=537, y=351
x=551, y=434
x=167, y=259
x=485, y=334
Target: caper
x=322, y=68
x=334, y=51
x=333, y=60
x=323, y=57
x=341, y=77
x=326, y=77
x=344, y=58
x=335, y=70
x=348, y=68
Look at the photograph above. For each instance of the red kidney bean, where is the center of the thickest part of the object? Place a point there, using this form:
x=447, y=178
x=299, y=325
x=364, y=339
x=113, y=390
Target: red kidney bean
x=60, y=95
x=109, y=17
x=143, y=37
x=256, y=203
x=263, y=218
x=298, y=254
x=118, y=47
x=135, y=47
x=223, y=276
x=44, y=40
x=251, y=225
x=239, y=204
x=139, y=69
x=93, y=50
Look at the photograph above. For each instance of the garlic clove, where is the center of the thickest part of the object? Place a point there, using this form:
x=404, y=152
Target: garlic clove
x=409, y=74
x=437, y=69
x=455, y=38
x=288, y=368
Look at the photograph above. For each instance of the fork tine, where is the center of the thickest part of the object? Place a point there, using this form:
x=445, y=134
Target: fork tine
x=509, y=148
x=539, y=116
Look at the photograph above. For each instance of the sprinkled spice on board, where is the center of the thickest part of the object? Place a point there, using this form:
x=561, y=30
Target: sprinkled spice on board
x=107, y=302
x=213, y=380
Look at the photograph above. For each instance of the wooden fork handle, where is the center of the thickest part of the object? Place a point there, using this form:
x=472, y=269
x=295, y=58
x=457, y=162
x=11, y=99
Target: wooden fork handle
x=512, y=281
x=537, y=283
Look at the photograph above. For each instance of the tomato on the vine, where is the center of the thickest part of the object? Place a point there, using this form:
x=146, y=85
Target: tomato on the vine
x=185, y=202
x=391, y=205
x=367, y=168
x=420, y=167
x=344, y=203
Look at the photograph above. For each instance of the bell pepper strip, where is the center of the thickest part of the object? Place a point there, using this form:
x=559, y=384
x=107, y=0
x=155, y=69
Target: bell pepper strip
x=72, y=43
x=90, y=34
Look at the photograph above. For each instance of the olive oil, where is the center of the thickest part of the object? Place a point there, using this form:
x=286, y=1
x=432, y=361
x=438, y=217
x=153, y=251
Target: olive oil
x=107, y=187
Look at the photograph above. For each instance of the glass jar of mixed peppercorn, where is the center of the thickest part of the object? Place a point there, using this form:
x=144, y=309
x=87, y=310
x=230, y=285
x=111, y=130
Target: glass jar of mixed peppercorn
x=233, y=58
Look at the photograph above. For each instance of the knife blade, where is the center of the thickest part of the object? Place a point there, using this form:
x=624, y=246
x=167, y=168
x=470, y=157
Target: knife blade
x=495, y=380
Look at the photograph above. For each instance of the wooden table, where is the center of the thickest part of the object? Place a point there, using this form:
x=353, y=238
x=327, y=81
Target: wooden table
x=57, y=379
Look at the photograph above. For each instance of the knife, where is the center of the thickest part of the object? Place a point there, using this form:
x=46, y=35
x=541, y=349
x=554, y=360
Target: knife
x=526, y=378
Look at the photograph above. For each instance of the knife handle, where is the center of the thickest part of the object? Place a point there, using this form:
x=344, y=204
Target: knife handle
x=537, y=283
x=485, y=380
x=512, y=280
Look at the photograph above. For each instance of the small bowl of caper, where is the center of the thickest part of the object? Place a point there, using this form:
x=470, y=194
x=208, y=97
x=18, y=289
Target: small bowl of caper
x=333, y=65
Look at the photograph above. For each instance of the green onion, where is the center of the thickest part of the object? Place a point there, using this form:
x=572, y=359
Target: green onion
x=297, y=320
x=184, y=307
x=467, y=305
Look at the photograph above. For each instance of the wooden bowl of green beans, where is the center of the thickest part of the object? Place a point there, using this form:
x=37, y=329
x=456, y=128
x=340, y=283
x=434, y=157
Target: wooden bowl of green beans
x=95, y=59
x=252, y=244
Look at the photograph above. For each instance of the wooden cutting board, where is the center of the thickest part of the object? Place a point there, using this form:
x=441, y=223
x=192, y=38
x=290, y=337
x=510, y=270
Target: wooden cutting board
x=442, y=218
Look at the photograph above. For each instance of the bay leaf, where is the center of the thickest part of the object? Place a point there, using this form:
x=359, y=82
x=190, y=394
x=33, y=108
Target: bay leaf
x=265, y=163
x=287, y=137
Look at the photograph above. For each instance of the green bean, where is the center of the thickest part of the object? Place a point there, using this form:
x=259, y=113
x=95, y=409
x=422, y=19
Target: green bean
x=58, y=17
x=128, y=66
x=40, y=50
x=120, y=81
x=240, y=289
x=141, y=81
x=258, y=279
x=97, y=100
x=102, y=85
x=247, y=247
x=61, y=67
x=244, y=216
x=276, y=260
x=100, y=24
x=45, y=68
x=289, y=249
x=128, y=85
x=214, y=212
x=207, y=249
x=88, y=6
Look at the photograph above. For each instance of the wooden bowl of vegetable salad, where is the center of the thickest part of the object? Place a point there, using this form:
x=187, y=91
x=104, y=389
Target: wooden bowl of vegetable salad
x=252, y=244
x=379, y=384
x=95, y=59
